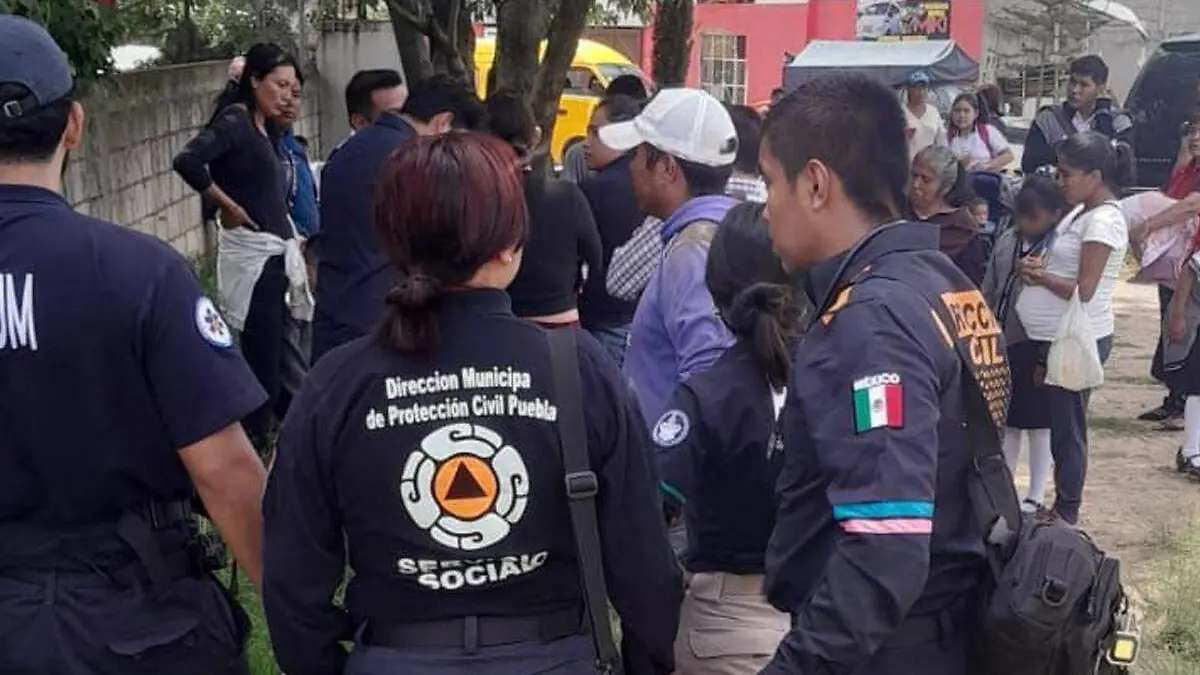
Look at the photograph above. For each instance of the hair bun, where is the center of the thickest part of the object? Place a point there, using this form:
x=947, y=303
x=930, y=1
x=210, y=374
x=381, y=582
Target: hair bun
x=414, y=292
x=754, y=301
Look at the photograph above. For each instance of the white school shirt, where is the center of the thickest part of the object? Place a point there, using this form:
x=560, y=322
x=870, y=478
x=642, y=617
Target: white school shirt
x=1040, y=310
x=977, y=149
x=927, y=129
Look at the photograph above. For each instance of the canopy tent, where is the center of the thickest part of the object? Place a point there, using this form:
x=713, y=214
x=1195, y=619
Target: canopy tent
x=1119, y=13
x=890, y=62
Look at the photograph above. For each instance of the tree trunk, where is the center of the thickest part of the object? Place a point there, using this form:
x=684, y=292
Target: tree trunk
x=425, y=40
x=466, y=41
x=449, y=57
x=520, y=26
x=413, y=48
x=565, y=31
x=672, y=42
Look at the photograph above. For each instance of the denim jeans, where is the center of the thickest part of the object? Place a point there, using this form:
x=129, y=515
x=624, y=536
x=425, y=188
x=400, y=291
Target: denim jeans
x=1069, y=444
x=614, y=340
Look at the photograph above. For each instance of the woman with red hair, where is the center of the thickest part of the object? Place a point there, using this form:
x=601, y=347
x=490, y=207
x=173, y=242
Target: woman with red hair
x=427, y=459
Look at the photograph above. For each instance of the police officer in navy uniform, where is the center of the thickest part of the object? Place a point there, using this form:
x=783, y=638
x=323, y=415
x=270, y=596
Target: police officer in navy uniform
x=120, y=390
x=353, y=275
x=427, y=455
x=719, y=445
x=876, y=552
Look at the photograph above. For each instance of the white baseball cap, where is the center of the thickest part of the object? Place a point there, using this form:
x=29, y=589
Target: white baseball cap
x=685, y=123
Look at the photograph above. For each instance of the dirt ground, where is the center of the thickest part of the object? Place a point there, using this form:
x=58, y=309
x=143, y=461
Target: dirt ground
x=1133, y=495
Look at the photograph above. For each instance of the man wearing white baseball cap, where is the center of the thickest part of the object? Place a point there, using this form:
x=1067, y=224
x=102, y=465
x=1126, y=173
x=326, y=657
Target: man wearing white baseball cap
x=683, y=146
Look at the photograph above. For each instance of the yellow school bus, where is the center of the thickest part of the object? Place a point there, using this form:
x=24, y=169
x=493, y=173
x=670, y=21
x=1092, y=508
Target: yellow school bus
x=595, y=65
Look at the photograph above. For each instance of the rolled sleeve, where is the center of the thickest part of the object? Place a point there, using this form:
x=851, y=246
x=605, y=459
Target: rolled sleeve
x=876, y=441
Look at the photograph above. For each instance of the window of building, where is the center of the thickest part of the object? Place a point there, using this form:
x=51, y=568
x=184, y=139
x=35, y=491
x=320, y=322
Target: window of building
x=723, y=67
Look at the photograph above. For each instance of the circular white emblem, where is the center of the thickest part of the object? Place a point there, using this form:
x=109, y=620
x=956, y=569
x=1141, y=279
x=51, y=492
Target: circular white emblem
x=672, y=428
x=211, y=325
x=465, y=486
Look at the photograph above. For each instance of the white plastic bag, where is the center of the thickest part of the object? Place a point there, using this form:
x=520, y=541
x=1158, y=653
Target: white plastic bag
x=1074, y=360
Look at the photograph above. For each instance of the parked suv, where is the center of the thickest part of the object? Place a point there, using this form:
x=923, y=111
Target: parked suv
x=1165, y=92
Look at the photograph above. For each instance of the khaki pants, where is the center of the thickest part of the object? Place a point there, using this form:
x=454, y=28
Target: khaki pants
x=726, y=626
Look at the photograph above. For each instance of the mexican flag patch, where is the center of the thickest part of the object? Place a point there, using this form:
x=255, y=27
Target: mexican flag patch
x=878, y=402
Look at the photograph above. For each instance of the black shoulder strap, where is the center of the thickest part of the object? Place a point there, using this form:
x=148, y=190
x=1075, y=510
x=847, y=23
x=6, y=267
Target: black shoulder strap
x=582, y=486
x=993, y=494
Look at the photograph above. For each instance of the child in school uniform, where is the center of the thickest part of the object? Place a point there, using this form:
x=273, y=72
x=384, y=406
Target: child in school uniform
x=1040, y=206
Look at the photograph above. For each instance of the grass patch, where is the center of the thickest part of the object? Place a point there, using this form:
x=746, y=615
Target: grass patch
x=258, y=646
x=1172, y=634
x=206, y=271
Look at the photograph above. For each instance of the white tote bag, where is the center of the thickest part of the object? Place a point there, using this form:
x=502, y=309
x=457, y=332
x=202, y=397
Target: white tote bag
x=1074, y=359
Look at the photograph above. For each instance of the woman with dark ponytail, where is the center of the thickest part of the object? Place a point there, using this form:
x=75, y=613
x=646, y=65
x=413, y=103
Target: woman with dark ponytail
x=233, y=163
x=719, y=452
x=427, y=457
x=1085, y=259
x=564, y=245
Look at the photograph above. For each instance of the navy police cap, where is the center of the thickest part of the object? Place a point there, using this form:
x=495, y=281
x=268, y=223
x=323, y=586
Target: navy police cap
x=31, y=58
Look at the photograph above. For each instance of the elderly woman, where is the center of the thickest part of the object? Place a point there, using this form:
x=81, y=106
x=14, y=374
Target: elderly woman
x=939, y=195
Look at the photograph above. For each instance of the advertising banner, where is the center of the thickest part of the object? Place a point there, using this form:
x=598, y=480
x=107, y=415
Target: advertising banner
x=903, y=20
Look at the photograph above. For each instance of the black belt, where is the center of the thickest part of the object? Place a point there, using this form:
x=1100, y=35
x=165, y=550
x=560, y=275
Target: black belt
x=162, y=515
x=104, y=548
x=470, y=632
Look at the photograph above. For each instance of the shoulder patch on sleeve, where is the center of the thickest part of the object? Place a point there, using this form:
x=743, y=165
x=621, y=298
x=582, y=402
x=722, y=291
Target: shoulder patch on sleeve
x=878, y=402
x=672, y=428
x=211, y=325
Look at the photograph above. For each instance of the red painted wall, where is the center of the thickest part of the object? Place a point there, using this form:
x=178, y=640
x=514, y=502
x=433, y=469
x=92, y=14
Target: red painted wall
x=966, y=26
x=831, y=20
x=772, y=29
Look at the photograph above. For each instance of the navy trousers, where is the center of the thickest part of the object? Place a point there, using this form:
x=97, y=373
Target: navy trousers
x=1069, y=442
x=573, y=655
x=56, y=623
x=276, y=347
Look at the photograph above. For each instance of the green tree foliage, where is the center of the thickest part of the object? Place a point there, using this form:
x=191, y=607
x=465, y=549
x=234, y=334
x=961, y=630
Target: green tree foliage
x=196, y=30
x=86, y=30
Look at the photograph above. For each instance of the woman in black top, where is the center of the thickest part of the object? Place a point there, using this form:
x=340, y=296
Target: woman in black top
x=719, y=452
x=564, y=243
x=234, y=163
x=427, y=457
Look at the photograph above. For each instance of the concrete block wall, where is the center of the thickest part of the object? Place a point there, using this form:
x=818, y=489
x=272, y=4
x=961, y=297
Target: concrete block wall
x=347, y=47
x=136, y=125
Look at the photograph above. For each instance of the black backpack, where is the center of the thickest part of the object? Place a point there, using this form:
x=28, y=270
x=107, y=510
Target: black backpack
x=1055, y=608
x=1055, y=605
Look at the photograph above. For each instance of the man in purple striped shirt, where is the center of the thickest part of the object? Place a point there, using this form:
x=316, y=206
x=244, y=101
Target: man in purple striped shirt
x=683, y=146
